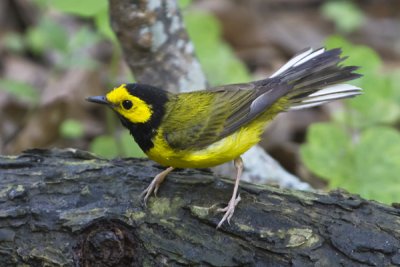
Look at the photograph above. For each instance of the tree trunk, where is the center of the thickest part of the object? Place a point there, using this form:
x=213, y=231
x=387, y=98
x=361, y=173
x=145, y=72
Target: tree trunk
x=69, y=208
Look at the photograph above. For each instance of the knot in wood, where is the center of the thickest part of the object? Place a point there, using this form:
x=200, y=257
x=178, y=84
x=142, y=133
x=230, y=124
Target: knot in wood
x=108, y=243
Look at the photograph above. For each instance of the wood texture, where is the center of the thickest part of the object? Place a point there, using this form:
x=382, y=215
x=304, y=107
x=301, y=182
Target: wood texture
x=69, y=208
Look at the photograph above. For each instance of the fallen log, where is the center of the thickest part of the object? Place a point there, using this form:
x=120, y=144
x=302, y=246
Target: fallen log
x=70, y=208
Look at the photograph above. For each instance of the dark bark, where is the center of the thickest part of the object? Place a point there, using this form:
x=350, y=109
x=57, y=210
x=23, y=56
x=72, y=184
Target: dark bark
x=67, y=207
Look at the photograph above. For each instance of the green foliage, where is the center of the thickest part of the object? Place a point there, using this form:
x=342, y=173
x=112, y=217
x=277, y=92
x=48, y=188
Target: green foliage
x=86, y=8
x=345, y=14
x=217, y=59
x=359, y=54
x=94, y=9
x=102, y=21
x=105, y=146
x=49, y=36
x=76, y=54
x=71, y=129
x=13, y=42
x=129, y=147
x=20, y=90
x=327, y=151
x=184, y=3
x=356, y=151
x=46, y=35
x=380, y=103
x=108, y=146
x=367, y=163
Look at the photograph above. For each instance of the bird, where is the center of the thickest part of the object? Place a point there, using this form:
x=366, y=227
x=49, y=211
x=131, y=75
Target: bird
x=206, y=128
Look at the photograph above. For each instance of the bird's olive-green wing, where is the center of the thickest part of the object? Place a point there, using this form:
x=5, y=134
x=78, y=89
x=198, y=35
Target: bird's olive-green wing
x=198, y=119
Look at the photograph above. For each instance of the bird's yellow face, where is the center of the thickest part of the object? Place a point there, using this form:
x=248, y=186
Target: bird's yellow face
x=131, y=107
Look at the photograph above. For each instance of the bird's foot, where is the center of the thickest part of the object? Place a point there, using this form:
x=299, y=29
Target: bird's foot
x=155, y=185
x=229, y=210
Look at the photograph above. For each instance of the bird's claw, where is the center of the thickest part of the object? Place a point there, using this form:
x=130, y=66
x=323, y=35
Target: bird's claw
x=154, y=185
x=229, y=210
x=152, y=188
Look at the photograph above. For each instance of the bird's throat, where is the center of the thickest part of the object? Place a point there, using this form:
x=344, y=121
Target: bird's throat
x=143, y=133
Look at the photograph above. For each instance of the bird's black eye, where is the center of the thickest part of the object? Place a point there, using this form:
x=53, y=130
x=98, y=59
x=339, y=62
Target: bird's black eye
x=127, y=104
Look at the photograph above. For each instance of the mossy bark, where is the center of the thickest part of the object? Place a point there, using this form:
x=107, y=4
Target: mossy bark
x=70, y=208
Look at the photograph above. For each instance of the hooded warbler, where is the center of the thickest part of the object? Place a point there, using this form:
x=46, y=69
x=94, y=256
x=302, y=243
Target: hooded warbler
x=210, y=127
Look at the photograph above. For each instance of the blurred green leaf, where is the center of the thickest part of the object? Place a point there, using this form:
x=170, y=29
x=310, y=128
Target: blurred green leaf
x=77, y=55
x=394, y=81
x=71, y=129
x=184, y=3
x=105, y=146
x=36, y=40
x=345, y=14
x=83, y=62
x=96, y=9
x=358, y=55
x=108, y=146
x=14, y=42
x=84, y=8
x=47, y=35
x=84, y=37
x=380, y=102
x=102, y=20
x=20, y=90
x=41, y=3
x=327, y=152
x=377, y=165
x=130, y=147
x=217, y=59
x=368, y=164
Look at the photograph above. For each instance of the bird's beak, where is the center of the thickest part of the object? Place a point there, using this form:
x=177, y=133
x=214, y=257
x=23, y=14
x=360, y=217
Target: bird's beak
x=98, y=99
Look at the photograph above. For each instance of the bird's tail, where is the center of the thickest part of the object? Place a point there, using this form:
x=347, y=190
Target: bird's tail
x=316, y=78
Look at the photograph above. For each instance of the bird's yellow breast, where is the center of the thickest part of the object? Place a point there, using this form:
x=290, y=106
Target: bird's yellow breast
x=217, y=153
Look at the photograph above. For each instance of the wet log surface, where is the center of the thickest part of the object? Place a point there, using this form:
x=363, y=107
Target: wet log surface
x=70, y=208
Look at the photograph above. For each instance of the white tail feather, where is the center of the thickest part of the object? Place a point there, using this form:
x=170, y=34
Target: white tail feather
x=312, y=55
x=328, y=94
x=313, y=76
x=331, y=96
x=337, y=88
x=310, y=105
x=298, y=60
x=291, y=62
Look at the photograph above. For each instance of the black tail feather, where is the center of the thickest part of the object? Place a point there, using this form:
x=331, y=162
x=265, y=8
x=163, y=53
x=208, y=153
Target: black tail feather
x=314, y=72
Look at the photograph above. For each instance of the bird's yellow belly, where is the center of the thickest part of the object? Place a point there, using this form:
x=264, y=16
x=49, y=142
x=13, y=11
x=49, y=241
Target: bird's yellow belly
x=219, y=152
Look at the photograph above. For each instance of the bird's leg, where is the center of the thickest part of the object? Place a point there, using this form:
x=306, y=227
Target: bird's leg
x=155, y=184
x=230, y=209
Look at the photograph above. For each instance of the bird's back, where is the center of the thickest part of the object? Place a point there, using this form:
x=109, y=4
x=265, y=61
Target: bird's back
x=210, y=127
